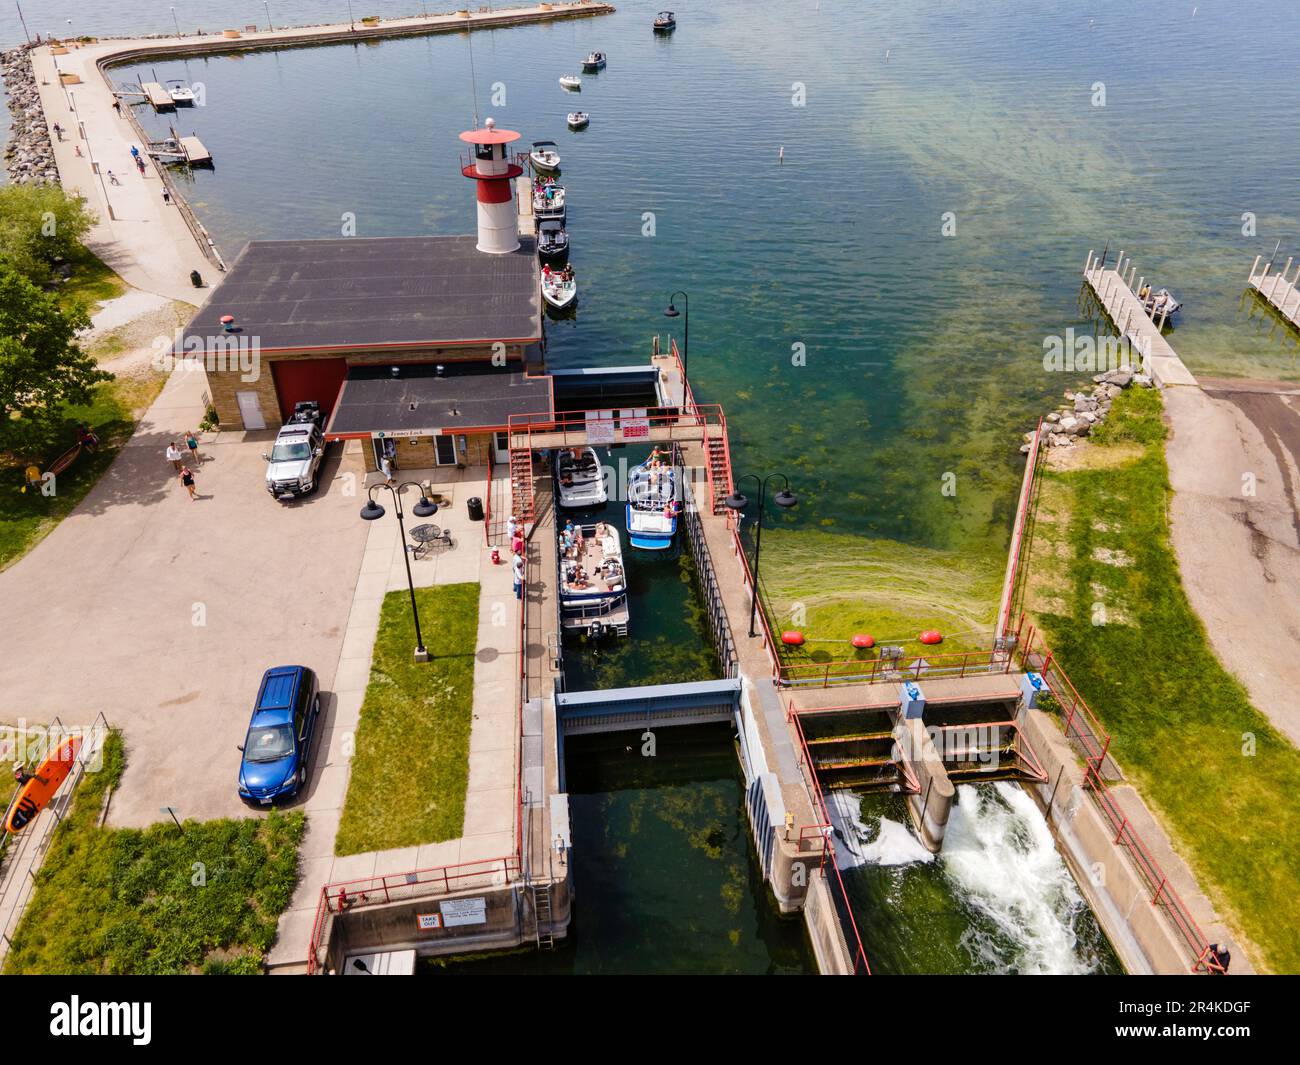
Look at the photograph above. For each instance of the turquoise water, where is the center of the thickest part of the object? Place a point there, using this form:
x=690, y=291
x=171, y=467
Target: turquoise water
x=923, y=352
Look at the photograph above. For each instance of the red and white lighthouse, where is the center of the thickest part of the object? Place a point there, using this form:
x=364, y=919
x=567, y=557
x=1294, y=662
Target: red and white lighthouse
x=498, y=226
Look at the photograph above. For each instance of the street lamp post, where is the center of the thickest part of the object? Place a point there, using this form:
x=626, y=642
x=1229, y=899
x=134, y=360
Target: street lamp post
x=425, y=508
x=269, y=24
x=176, y=22
x=737, y=502
x=671, y=311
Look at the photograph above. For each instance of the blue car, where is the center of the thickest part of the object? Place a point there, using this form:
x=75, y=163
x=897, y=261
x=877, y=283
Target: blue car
x=278, y=747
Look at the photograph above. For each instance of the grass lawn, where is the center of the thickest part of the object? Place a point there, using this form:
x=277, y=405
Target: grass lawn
x=131, y=901
x=27, y=517
x=1106, y=589
x=91, y=283
x=411, y=765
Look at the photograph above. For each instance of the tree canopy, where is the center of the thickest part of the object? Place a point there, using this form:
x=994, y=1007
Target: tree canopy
x=38, y=225
x=42, y=369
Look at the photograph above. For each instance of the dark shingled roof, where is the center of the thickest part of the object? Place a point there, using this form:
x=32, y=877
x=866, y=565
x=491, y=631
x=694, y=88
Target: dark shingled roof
x=469, y=395
x=360, y=293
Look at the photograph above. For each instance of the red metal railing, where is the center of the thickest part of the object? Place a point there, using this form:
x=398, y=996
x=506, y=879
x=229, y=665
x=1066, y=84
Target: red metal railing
x=882, y=670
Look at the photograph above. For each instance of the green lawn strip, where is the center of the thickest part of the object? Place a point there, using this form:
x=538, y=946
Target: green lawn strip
x=411, y=765
x=92, y=282
x=155, y=901
x=27, y=517
x=1180, y=722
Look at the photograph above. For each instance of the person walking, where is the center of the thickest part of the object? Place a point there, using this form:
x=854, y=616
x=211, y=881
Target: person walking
x=22, y=776
x=174, y=456
x=135, y=152
x=386, y=468
x=517, y=568
x=192, y=442
x=112, y=178
x=58, y=131
x=117, y=106
x=139, y=163
x=167, y=196
x=187, y=479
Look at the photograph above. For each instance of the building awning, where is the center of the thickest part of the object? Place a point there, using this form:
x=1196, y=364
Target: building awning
x=426, y=400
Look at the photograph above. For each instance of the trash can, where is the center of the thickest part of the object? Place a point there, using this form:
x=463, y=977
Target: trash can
x=475, y=506
x=196, y=279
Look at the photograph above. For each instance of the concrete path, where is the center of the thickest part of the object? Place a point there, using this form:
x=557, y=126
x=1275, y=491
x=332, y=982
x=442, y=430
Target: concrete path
x=490, y=800
x=1239, y=552
x=163, y=612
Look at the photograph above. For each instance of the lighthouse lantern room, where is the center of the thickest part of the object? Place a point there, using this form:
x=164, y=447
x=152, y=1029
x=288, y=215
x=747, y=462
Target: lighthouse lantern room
x=494, y=174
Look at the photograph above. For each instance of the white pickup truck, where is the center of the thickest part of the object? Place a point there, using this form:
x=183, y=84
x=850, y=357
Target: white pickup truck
x=293, y=465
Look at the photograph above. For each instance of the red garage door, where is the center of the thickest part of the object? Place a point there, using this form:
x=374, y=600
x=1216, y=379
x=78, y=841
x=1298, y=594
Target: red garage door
x=299, y=379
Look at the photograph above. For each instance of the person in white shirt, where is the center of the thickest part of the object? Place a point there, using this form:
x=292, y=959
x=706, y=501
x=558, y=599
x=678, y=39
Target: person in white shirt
x=518, y=569
x=174, y=456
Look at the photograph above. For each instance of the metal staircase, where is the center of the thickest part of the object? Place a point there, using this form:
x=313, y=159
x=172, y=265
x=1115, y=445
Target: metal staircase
x=719, y=460
x=521, y=484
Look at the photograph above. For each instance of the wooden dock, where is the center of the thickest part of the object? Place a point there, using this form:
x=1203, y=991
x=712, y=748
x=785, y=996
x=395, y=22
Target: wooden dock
x=1115, y=294
x=524, y=197
x=159, y=98
x=1277, y=291
x=194, y=152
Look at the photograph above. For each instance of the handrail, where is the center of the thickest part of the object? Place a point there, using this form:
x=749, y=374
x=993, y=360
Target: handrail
x=889, y=670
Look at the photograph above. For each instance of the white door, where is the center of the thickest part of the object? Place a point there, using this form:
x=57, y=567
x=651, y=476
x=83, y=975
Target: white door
x=250, y=410
x=501, y=447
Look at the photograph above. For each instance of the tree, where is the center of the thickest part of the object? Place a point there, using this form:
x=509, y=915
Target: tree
x=39, y=224
x=42, y=369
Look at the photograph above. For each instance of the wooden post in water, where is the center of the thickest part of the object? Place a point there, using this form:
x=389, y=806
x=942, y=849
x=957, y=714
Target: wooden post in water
x=1254, y=266
x=1281, y=277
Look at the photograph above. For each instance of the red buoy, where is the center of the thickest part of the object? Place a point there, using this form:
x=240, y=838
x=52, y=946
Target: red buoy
x=794, y=639
x=931, y=636
x=862, y=640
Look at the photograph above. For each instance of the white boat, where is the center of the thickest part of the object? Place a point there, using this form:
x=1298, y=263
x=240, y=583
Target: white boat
x=593, y=582
x=665, y=22
x=578, y=119
x=1160, y=306
x=652, y=505
x=182, y=95
x=544, y=157
x=557, y=289
x=580, y=477
x=548, y=199
x=594, y=61
x=552, y=239
x=571, y=81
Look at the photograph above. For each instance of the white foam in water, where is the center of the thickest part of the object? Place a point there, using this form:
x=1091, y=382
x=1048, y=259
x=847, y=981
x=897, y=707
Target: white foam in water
x=999, y=853
x=856, y=844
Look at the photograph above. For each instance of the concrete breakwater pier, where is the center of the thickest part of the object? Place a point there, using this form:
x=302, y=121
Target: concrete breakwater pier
x=156, y=243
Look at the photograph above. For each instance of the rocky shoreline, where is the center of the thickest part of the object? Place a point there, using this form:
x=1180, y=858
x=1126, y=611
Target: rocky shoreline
x=29, y=155
x=1075, y=419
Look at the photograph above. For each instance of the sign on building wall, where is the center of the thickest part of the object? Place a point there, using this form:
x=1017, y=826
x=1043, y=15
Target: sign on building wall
x=427, y=921
x=636, y=426
x=600, y=426
x=463, y=911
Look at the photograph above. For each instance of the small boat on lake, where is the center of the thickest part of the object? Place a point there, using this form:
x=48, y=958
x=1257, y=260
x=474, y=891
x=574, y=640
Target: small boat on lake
x=1160, y=306
x=579, y=119
x=594, y=61
x=571, y=81
x=593, y=582
x=652, y=504
x=580, y=478
x=544, y=156
x=181, y=93
x=548, y=199
x=559, y=287
x=665, y=22
x=552, y=239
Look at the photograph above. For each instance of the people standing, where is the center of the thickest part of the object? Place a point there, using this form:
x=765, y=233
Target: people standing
x=512, y=527
x=386, y=468
x=192, y=442
x=174, y=456
x=517, y=568
x=187, y=479
x=167, y=196
x=58, y=131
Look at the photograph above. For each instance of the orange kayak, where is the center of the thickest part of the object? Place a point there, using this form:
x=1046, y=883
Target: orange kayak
x=33, y=796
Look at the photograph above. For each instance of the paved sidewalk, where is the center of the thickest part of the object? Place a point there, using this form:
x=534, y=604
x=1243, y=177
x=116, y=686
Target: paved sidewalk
x=490, y=811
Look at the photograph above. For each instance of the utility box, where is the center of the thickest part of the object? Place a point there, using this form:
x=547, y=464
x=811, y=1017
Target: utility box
x=911, y=700
x=1032, y=686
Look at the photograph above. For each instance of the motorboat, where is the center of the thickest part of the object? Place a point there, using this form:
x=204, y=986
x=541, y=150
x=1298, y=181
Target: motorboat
x=652, y=504
x=665, y=22
x=571, y=81
x=182, y=95
x=552, y=240
x=548, y=199
x=578, y=119
x=594, y=61
x=1160, y=306
x=580, y=478
x=544, y=156
x=593, y=581
x=559, y=287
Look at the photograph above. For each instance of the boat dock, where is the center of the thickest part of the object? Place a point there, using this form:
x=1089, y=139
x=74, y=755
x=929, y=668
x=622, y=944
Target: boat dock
x=159, y=98
x=1114, y=291
x=1276, y=290
x=524, y=197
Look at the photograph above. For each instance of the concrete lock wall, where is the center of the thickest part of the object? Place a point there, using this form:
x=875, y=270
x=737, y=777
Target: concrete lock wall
x=1140, y=932
x=931, y=806
x=509, y=921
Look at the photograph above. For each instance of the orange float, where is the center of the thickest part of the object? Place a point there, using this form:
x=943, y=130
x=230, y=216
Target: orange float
x=33, y=796
x=792, y=638
x=931, y=636
x=862, y=641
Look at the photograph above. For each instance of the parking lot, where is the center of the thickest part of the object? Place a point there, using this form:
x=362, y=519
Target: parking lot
x=162, y=612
